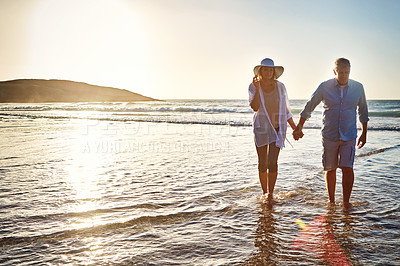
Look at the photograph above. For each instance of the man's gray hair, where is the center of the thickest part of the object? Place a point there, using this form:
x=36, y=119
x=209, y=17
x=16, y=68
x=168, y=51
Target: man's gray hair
x=342, y=62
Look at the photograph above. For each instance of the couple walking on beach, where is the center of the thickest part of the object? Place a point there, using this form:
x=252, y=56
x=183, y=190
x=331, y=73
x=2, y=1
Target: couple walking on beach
x=341, y=96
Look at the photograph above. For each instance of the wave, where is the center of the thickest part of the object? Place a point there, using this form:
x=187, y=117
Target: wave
x=370, y=113
x=91, y=213
x=295, y=110
x=169, y=120
x=150, y=119
x=164, y=109
x=124, y=109
x=385, y=114
x=172, y=218
x=378, y=108
x=378, y=151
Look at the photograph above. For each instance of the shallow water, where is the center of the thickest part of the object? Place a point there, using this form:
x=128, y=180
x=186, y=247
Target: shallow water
x=98, y=190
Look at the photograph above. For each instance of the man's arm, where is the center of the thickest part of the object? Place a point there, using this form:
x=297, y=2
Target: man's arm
x=315, y=99
x=363, y=138
x=362, y=107
x=300, y=125
x=363, y=116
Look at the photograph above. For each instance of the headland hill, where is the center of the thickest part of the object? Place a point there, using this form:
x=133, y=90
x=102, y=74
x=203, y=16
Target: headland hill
x=53, y=90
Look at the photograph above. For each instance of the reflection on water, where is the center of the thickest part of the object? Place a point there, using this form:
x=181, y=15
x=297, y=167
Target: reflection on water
x=328, y=237
x=265, y=238
x=341, y=224
x=318, y=239
x=84, y=173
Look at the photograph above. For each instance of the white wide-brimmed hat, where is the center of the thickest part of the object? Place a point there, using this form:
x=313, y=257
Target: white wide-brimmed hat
x=269, y=63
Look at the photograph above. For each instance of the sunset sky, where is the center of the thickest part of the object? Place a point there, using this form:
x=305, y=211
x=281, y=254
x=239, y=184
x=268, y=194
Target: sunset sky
x=192, y=49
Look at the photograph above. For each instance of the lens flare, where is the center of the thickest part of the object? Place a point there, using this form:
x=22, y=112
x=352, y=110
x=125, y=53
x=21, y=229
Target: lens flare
x=318, y=240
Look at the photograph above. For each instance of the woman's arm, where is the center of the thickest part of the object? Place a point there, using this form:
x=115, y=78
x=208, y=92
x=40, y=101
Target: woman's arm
x=255, y=103
x=291, y=123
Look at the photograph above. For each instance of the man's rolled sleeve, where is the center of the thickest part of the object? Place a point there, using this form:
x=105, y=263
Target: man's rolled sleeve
x=316, y=98
x=363, y=108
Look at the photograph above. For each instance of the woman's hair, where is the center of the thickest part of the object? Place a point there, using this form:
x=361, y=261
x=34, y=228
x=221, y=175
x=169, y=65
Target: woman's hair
x=342, y=62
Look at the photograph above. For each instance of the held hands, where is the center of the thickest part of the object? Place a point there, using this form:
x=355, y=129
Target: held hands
x=298, y=133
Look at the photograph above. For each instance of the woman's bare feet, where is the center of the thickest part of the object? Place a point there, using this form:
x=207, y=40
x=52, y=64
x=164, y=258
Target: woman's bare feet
x=270, y=196
x=331, y=204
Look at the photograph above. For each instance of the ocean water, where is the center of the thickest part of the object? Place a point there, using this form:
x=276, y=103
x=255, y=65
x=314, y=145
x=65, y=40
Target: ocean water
x=176, y=183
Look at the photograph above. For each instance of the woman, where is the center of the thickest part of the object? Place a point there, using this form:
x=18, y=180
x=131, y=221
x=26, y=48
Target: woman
x=268, y=98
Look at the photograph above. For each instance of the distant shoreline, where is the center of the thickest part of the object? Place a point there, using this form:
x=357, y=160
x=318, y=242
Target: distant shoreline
x=47, y=91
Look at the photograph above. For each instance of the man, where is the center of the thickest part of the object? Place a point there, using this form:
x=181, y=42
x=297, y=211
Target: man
x=340, y=96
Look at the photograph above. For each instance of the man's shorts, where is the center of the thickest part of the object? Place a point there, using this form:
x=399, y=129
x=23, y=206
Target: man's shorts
x=338, y=154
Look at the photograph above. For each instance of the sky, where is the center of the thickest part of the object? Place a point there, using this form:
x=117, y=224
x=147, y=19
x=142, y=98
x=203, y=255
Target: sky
x=201, y=49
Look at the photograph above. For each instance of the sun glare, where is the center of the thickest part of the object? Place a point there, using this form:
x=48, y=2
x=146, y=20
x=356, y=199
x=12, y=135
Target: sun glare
x=84, y=171
x=99, y=42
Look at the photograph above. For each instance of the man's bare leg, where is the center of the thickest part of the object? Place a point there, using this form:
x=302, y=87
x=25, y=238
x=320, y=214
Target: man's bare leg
x=330, y=179
x=347, y=185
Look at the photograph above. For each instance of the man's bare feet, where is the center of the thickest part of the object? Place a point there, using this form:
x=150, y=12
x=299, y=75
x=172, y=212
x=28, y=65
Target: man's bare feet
x=347, y=205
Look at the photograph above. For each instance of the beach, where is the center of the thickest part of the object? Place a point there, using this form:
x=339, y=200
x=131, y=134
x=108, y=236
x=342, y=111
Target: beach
x=176, y=183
